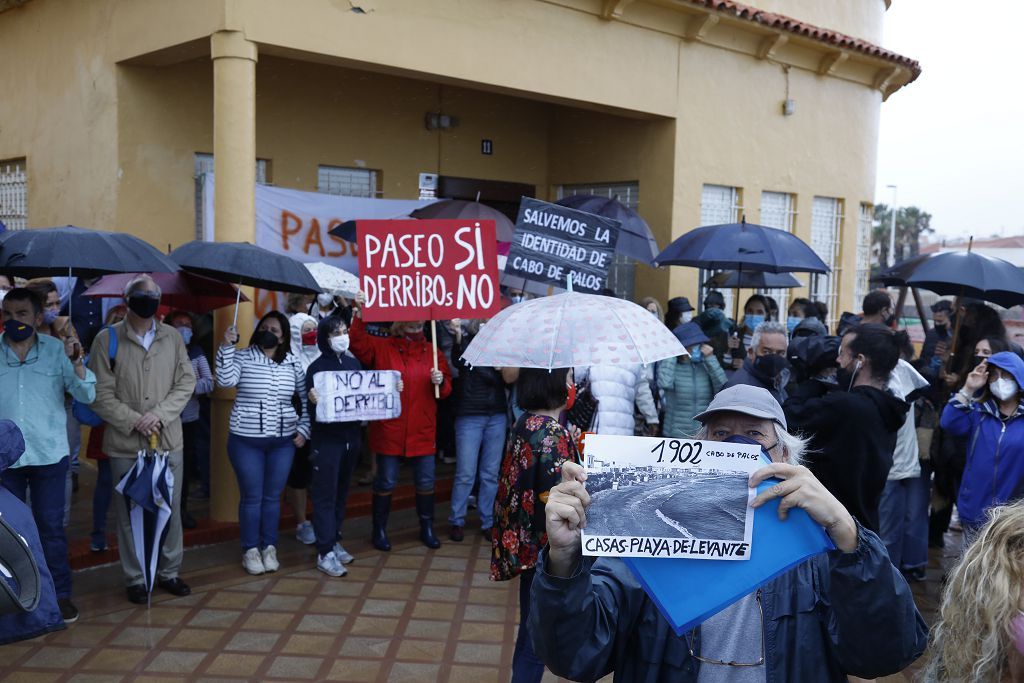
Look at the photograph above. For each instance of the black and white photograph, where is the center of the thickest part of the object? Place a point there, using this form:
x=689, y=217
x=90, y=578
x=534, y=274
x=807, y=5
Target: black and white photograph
x=653, y=497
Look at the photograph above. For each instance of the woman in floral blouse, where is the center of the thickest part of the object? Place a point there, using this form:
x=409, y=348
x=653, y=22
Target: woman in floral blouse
x=532, y=465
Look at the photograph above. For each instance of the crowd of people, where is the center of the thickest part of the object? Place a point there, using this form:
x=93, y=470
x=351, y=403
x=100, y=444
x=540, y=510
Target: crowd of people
x=879, y=444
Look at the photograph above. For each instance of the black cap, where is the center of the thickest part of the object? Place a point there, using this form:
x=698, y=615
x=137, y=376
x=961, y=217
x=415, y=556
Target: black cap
x=679, y=304
x=714, y=298
x=942, y=305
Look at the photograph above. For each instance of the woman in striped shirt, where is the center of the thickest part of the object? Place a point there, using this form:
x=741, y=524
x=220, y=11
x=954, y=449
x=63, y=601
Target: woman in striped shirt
x=264, y=430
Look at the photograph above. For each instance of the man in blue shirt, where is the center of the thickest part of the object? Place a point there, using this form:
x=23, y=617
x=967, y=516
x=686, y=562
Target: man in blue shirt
x=35, y=372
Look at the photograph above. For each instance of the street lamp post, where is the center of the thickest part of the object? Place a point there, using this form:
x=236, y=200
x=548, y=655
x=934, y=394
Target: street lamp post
x=892, y=231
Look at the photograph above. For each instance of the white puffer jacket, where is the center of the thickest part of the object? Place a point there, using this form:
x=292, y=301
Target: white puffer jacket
x=617, y=388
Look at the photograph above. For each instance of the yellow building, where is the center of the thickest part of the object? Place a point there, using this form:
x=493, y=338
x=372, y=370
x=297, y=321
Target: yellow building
x=697, y=111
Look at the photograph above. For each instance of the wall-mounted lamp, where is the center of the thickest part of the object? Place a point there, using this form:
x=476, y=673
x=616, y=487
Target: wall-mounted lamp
x=438, y=121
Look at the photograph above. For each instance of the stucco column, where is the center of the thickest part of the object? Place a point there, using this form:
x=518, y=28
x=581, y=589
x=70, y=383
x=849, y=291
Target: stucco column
x=234, y=211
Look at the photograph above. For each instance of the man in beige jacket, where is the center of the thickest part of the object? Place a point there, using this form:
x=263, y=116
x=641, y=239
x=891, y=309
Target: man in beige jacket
x=141, y=392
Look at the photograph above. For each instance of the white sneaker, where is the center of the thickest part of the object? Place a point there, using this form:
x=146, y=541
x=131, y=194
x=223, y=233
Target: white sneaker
x=344, y=556
x=329, y=565
x=270, y=562
x=252, y=562
x=305, y=534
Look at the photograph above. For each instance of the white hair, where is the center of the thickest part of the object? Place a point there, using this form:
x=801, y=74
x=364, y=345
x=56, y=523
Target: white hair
x=767, y=327
x=793, y=447
x=137, y=281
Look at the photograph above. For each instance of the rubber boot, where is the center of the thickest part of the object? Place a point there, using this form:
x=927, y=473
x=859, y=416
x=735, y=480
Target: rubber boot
x=425, y=510
x=381, y=510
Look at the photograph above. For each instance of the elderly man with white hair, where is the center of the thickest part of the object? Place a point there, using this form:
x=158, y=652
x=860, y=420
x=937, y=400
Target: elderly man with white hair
x=141, y=390
x=844, y=612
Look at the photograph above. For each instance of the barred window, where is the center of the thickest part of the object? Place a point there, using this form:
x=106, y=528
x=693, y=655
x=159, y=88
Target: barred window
x=13, y=194
x=350, y=182
x=826, y=228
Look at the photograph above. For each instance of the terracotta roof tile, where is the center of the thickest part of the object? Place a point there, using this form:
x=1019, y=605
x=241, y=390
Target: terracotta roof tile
x=790, y=25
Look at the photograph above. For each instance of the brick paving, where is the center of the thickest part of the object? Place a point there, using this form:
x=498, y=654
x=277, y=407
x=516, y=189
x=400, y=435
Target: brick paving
x=409, y=615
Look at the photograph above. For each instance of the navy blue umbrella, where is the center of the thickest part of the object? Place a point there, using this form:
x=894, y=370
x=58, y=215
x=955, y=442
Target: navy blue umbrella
x=40, y=252
x=731, y=279
x=147, y=489
x=967, y=273
x=635, y=238
x=241, y=263
x=742, y=246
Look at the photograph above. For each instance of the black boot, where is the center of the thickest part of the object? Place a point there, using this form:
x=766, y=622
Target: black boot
x=425, y=510
x=381, y=510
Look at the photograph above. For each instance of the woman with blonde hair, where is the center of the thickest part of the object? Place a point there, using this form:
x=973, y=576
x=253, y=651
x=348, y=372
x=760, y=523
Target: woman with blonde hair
x=980, y=634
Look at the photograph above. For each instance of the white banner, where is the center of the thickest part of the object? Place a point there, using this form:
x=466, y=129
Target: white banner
x=297, y=223
x=357, y=395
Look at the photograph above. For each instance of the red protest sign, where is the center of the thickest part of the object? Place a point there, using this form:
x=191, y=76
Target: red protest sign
x=428, y=269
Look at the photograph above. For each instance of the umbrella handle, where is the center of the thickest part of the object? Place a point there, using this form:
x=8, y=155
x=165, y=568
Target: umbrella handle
x=433, y=341
x=238, y=297
x=153, y=438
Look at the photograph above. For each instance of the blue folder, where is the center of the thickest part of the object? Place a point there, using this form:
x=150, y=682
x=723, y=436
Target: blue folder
x=776, y=547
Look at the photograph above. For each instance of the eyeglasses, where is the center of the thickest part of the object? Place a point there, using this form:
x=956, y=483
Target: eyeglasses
x=707, y=660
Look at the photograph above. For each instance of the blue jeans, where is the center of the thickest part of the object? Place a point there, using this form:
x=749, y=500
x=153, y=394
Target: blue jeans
x=387, y=473
x=101, y=498
x=903, y=520
x=333, y=461
x=479, y=442
x=46, y=485
x=261, y=465
x=526, y=665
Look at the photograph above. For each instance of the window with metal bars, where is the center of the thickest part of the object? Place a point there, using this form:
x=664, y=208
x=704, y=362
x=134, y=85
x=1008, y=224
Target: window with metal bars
x=864, y=226
x=778, y=210
x=204, y=165
x=622, y=272
x=719, y=204
x=13, y=194
x=350, y=182
x=826, y=228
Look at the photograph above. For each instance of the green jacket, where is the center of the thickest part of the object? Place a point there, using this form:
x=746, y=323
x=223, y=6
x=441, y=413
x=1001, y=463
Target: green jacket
x=689, y=388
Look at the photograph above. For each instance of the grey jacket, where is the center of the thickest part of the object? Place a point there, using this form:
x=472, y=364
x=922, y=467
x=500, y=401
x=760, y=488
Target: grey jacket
x=833, y=615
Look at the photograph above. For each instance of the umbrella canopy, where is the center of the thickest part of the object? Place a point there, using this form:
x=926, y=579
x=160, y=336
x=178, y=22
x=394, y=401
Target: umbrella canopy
x=971, y=274
x=41, y=252
x=635, y=238
x=245, y=264
x=147, y=488
x=896, y=275
x=184, y=290
x=742, y=246
x=462, y=210
x=731, y=279
x=334, y=280
x=572, y=330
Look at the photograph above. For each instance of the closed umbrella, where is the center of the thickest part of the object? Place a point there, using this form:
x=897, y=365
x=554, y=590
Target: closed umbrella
x=635, y=238
x=184, y=290
x=334, y=280
x=42, y=252
x=572, y=330
x=148, y=489
x=463, y=210
x=731, y=279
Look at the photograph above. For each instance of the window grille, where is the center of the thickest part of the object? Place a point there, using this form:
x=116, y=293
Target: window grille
x=204, y=165
x=864, y=228
x=13, y=194
x=719, y=204
x=778, y=210
x=350, y=182
x=826, y=228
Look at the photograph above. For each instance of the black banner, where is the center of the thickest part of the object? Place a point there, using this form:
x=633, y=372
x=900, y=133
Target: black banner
x=553, y=243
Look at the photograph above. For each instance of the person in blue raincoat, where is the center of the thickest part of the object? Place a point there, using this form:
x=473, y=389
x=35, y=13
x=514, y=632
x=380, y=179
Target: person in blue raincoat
x=988, y=411
x=46, y=616
x=844, y=612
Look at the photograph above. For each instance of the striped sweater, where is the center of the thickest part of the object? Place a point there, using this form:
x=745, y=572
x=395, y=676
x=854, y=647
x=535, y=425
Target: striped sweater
x=263, y=403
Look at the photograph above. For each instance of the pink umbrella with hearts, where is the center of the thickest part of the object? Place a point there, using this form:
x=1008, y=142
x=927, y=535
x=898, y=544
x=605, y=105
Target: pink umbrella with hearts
x=572, y=330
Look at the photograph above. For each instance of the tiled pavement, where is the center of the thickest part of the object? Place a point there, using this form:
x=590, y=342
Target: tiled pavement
x=408, y=615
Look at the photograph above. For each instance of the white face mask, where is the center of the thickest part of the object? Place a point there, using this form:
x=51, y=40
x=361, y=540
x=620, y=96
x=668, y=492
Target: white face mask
x=339, y=344
x=324, y=300
x=1003, y=388
x=687, y=316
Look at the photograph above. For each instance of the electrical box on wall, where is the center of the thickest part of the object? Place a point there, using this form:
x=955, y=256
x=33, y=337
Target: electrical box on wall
x=428, y=185
x=788, y=107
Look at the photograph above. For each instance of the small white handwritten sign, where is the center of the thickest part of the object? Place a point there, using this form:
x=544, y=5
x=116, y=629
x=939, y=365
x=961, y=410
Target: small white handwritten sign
x=356, y=395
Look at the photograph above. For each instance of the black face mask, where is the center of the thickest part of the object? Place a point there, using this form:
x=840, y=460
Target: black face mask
x=889, y=320
x=267, y=339
x=941, y=329
x=142, y=305
x=770, y=366
x=844, y=377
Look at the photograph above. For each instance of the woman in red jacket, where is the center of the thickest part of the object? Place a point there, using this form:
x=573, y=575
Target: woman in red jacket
x=411, y=435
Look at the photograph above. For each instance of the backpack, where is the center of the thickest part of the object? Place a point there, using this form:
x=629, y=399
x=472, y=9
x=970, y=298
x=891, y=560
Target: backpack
x=81, y=411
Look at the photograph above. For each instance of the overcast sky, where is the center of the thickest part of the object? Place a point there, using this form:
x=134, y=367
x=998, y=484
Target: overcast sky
x=953, y=140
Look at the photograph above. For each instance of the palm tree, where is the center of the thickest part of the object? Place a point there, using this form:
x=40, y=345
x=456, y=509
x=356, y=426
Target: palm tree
x=911, y=224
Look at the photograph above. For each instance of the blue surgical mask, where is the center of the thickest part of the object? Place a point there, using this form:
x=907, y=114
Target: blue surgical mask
x=49, y=315
x=792, y=322
x=186, y=334
x=752, y=321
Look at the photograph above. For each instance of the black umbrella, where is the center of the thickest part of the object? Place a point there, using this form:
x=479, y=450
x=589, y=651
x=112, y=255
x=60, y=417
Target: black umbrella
x=896, y=275
x=460, y=209
x=971, y=274
x=731, y=279
x=40, y=252
x=635, y=238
